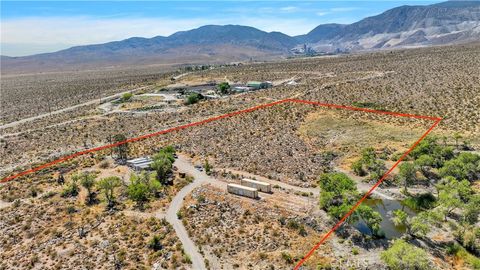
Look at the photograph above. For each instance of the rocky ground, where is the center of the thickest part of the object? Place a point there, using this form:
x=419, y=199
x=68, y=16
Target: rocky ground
x=51, y=232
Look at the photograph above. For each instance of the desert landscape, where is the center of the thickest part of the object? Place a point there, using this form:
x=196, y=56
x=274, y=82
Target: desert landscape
x=359, y=159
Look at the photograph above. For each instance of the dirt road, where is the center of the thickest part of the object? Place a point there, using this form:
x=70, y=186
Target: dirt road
x=91, y=102
x=200, y=178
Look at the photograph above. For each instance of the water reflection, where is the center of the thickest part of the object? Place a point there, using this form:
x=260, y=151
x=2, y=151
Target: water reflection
x=385, y=208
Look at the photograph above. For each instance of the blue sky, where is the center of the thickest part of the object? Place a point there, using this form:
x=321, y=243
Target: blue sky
x=36, y=27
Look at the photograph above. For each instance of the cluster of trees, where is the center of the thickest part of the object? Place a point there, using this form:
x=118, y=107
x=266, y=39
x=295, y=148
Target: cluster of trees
x=369, y=164
x=451, y=173
x=142, y=186
x=432, y=161
x=88, y=180
x=339, y=194
x=149, y=185
x=163, y=164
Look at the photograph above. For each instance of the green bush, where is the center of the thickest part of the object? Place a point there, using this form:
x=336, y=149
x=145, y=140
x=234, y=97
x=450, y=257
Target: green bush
x=193, y=98
x=287, y=257
x=71, y=190
x=126, y=97
x=402, y=255
x=223, y=87
x=422, y=201
x=155, y=243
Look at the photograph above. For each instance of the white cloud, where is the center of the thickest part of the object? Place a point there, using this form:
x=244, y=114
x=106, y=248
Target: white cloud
x=322, y=13
x=289, y=9
x=35, y=35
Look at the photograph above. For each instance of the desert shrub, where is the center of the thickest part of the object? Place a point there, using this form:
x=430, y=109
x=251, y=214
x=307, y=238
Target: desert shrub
x=126, y=97
x=155, y=243
x=193, y=98
x=420, y=202
x=402, y=255
x=70, y=190
x=287, y=257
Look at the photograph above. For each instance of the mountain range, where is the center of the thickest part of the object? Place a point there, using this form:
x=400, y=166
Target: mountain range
x=404, y=26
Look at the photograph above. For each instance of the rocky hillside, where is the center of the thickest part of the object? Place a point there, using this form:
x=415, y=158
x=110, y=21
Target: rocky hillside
x=438, y=24
x=405, y=26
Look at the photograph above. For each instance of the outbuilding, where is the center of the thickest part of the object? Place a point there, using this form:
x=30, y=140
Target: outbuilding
x=140, y=164
x=259, y=85
x=260, y=186
x=242, y=191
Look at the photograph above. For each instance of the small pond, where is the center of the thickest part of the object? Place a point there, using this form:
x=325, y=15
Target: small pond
x=385, y=208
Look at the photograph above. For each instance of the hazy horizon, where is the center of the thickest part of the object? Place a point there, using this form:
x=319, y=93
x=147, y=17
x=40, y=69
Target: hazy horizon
x=41, y=27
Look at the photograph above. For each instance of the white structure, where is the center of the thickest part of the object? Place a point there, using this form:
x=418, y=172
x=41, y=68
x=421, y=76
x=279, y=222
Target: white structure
x=242, y=191
x=260, y=186
x=139, y=164
x=241, y=89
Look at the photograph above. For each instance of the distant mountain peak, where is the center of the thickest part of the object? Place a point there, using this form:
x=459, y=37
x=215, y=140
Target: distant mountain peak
x=403, y=26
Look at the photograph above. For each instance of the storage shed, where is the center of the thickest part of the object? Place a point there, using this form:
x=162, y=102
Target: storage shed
x=242, y=191
x=259, y=85
x=139, y=164
x=260, y=186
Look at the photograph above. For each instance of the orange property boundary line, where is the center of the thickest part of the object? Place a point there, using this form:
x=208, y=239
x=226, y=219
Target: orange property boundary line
x=335, y=106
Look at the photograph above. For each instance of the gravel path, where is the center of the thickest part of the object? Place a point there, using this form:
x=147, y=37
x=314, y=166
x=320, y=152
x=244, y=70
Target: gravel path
x=200, y=178
x=91, y=102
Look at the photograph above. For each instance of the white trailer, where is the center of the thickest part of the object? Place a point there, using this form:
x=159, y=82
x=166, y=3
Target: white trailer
x=260, y=186
x=242, y=191
x=139, y=164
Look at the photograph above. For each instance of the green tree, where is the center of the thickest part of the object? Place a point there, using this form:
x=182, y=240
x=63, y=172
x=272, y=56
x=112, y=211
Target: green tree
x=163, y=166
x=108, y=186
x=138, y=192
x=450, y=184
x=193, y=98
x=424, y=162
x=121, y=146
x=371, y=218
x=336, y=182
x=401, y=218
x=449, y=201
x=471, y=211
x=167, y=153
x=369, y=163
x=163, y=163
x=223, y=87
x=88, y=182
x=406, y=174
x=417, y=226
x=338, y=194
x=421, y=224
x=464, y=166
x=402, y=255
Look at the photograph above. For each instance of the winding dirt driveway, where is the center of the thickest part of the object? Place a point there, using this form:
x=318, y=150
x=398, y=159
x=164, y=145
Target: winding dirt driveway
x=200, y=178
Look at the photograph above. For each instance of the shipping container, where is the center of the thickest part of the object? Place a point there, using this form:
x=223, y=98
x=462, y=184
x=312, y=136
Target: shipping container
x=242, y=191
x=260, y=186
